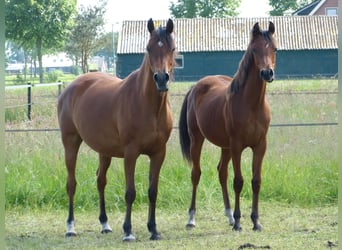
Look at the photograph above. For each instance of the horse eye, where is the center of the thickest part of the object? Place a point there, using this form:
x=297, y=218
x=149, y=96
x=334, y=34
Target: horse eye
x=148, y=49
x=275, y=49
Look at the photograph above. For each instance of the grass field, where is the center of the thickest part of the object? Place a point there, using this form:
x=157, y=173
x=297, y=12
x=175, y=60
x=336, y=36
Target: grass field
x=298, y=195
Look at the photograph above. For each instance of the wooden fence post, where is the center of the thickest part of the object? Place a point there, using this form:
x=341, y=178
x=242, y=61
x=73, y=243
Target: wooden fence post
x=29, y=101
x=59, y=87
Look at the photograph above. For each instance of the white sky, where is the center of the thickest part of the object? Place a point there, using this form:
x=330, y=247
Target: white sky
x=118, y=11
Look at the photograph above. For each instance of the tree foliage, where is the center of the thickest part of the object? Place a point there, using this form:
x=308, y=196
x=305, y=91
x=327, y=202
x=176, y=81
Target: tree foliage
x=85, y=35
x=39, y=25
x=280, y=7
x=204, y=8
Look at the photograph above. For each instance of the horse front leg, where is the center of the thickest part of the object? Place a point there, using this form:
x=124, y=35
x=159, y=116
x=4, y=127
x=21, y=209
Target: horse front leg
x=156, y=162
x=258, y=155
x=130, y=158
x=222, y=169
x=104, y=163
x=238, y=184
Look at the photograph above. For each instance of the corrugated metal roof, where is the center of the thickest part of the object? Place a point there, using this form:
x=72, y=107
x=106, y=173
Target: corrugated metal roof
x=233, y=34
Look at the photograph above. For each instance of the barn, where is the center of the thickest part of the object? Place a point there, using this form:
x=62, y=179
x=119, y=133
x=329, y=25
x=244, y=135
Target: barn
x=307, y=45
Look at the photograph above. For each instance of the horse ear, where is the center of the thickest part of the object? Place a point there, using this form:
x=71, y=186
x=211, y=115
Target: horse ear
x=271, y=28
x=169, y=26
x=256, y=29
x=150, y=25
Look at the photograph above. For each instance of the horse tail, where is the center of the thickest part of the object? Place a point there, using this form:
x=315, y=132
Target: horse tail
x=184, y=137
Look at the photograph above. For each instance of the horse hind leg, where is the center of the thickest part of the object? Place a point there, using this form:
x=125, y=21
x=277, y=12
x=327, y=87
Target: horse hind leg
x=195, y=155
x=71, y=144
x=222, y=169
x=104, y=163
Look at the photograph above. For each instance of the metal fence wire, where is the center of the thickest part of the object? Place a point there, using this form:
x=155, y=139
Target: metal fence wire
x=29, y=105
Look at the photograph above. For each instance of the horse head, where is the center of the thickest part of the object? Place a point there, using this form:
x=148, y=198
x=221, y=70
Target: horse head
x=264, y=48
x=161, y=53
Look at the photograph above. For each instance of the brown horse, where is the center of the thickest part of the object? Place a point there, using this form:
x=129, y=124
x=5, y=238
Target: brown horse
x=121, y=118
x=233, y=114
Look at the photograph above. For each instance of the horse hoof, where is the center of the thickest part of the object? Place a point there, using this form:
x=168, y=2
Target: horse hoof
x=190, y=226
x=70, y=234
x=128, y=238
x=155, y=237
x=237, y=228
x=257, y=227
x=105, y=231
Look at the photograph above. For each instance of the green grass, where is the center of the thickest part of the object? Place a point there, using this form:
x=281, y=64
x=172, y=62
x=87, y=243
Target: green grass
x=284, y=227
x=298, y=193
x=300, y=166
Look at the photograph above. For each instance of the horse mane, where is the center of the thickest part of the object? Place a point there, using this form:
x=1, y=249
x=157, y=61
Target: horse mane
x=241, y=74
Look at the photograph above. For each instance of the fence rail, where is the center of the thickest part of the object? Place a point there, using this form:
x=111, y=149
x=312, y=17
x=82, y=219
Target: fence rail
x=60, y=84
x=29, y=86
x=271, y=125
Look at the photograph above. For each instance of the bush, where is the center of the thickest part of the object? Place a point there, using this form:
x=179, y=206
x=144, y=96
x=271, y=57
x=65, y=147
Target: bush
x=53, y=76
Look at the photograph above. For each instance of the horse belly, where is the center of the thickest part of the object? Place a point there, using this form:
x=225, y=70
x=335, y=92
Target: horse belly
x=102, y=141
x=212, y=126
x=215, y=133
x=97, y=128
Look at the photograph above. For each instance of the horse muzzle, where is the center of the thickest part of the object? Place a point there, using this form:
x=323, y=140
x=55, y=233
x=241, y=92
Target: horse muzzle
x=267, y=74
x=161, y=79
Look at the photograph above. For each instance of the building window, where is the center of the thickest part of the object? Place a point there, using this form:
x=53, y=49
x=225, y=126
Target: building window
x=179, y=62
x=331, y=11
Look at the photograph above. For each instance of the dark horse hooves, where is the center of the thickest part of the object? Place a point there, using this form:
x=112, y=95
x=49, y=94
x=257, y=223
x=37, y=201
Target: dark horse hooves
x=237, y=227
x=257, y=227
x=70, y=234
x=155, y=237
x=190, y=226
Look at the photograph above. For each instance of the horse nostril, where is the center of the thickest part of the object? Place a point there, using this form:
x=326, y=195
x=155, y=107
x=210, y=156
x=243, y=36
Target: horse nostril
x=262, y=73
x=167, y=77
x=155, y=77
x=271, y=72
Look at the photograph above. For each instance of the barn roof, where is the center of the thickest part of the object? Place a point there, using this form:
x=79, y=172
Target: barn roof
x=232, y=34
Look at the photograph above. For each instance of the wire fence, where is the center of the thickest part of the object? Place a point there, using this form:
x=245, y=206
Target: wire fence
x=59, y=85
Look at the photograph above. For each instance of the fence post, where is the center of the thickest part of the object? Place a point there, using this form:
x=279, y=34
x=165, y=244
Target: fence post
x=29, y=101
x=59, y=87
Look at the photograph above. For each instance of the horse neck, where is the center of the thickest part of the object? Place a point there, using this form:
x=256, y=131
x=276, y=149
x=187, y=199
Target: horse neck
x=252, y=87
x=156, y=100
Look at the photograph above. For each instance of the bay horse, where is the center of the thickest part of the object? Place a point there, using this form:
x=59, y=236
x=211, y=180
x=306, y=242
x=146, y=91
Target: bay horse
x=121, y=118
x=233, y=114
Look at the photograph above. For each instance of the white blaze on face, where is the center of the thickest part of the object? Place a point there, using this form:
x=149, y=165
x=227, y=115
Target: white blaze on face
x=160, y=44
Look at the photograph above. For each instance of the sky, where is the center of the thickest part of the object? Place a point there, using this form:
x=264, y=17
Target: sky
x=117, y=11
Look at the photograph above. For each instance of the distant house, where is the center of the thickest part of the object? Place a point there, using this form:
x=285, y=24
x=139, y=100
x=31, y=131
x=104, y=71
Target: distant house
x=57, y=62
x=319, y=7
x=14, y=68
x=307, y=45
x=97, y=63
x=62, y=62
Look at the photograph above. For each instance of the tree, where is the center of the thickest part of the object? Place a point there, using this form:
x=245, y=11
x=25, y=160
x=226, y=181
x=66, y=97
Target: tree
x=204, y=8
x=280, y=7
x=38, y=25
x=106, y=47
x=86, y=32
